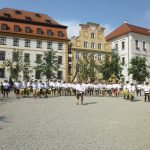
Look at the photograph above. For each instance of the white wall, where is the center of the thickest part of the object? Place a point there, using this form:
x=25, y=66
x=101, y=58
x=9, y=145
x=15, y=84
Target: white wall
x=33, y=50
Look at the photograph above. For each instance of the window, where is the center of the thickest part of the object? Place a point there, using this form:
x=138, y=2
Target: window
x=38, y=74
x=15, y=56
x=38, y=15
x=92, y=45
x=77, y=67
x=92, y=35
x=60, y=46
x=123, y=45
x=38, y=58
x=69, y=59
x=39, y=44
x=49, y=45
x=16, y=28
x=2, y=72
x=116, y=46
x=144, y=46
x=99, y=46
x=60, y=34
x=59, y=60
x=99, y=56
x=137, y=44
x=69, y=69
x=18, y=12
x=49, y=32
x=48, y=21
x=28, y=30
x=2, y=40
x=77, y=55
x=28, y=18
x=123, y=61
x=4, y=27
x=85, y=44
x=7, y=15
x=2, y=55
x=16, y=42
x=26, y=57
x=59, y=75
x=39, y=31
x=27, y=43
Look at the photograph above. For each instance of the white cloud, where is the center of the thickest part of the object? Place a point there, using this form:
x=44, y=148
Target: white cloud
x=73, y=27
x=147, y=15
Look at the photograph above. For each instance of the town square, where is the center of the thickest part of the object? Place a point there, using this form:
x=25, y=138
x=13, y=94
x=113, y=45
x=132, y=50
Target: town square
x=74, y=75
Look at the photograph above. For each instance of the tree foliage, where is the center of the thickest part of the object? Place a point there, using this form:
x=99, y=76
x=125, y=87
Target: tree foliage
x=49, y=64
x=87, y=67
x=139, y=69
x=17, y=65
x=110, y=67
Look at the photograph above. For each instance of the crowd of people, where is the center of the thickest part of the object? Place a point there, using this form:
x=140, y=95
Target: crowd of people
x=37, y=89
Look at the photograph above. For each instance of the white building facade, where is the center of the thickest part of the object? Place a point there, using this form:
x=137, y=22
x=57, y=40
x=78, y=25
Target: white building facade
x=129, y=41
x=32, y=45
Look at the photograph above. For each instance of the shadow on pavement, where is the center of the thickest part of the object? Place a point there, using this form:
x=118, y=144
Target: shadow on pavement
x=90, y=103
x=136, y=100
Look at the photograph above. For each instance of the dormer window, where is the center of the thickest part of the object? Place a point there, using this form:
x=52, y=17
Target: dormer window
x=28, y=19
x=49, y=32
x=37, y=15
x=60, y=33
x=16, y=28
x=7, y=15
x=28, y=30
x=4, y=27
x=39, y=31
x=48, y=21
x=18, y=12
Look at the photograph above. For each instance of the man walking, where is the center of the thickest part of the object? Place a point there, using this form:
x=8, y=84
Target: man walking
x=80, y=89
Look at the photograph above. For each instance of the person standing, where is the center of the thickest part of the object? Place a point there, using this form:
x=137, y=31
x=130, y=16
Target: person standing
x=80, y=88
x=6, y=87
x=146, y=89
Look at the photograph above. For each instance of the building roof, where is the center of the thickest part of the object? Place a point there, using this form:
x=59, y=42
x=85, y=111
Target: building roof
x=12, y=17
x=23, y=15
x=127, y=28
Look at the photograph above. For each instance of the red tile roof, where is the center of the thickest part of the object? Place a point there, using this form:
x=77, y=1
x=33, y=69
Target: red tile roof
x=126, y=28
x=37, y=21
x=41, y=18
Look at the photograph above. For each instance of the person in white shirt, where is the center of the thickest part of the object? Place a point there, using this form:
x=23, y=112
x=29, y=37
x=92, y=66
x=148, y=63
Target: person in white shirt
x=138, y=89
x=59, y=87
x=24, y=86
x=146, y=89
x=80, y=88
x=126, y=88
x=34, y=86
x=18, y=86
x=6, y=86
x=40, y=87
x=131, y=91
x=46, y=86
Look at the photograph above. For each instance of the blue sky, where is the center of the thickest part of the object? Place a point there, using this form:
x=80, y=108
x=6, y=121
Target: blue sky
x=108, y=13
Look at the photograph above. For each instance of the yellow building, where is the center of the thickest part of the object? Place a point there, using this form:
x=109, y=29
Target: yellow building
x=90, y=40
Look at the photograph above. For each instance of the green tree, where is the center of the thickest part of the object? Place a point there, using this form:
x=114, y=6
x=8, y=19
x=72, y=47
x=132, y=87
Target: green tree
x=87, y=67
x=48, y=65
x=16, y=65
x=110, y=67
x=139, y=69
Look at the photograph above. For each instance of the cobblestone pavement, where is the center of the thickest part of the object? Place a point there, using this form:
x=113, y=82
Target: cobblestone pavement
x=57, y=123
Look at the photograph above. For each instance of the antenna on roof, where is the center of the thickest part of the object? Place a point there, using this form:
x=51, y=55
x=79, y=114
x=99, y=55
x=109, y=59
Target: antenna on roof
x=126, y=21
